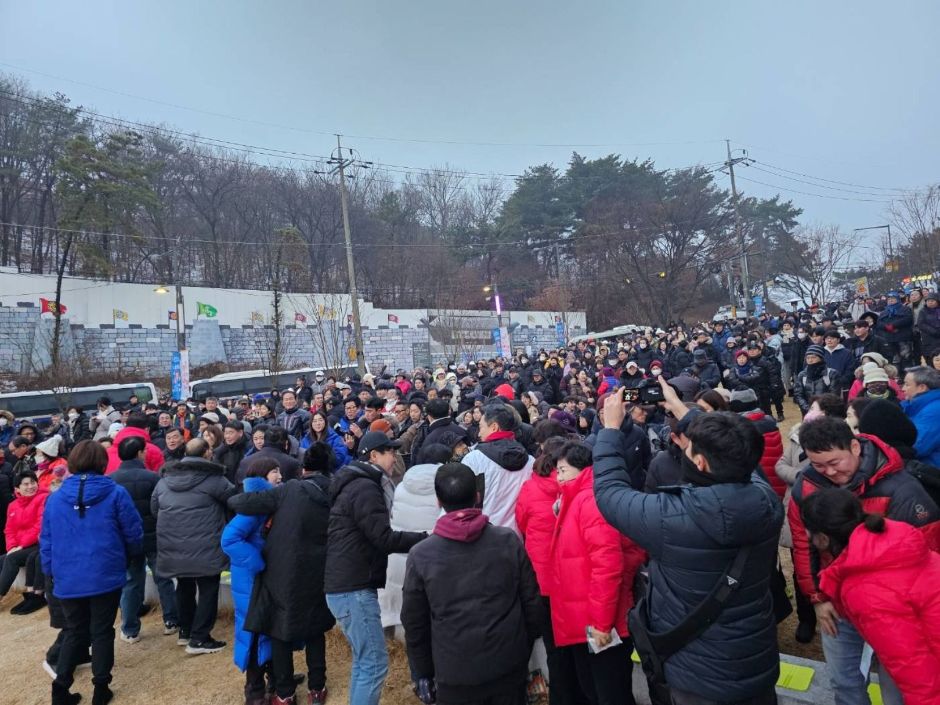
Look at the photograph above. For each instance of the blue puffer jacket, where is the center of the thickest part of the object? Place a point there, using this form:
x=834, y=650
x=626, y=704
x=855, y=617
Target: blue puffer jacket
x=89, y=528
x=243, y=543
x=336, y=443
x=924, y=411
x=692, y=535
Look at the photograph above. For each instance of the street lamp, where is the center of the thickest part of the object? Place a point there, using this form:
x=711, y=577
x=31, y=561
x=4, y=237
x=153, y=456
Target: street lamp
x=180, y=334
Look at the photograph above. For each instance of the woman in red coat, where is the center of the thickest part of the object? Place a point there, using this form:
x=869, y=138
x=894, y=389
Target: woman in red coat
x=24, y=521
x=593, y=566
x=884, y=581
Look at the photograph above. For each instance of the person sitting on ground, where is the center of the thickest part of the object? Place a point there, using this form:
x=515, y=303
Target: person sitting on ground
x=23, y=523
x=883, y=580
x=471, y=608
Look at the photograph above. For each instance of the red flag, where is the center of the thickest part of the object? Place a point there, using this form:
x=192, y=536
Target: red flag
x=299, y=318
x=47, y=306
x=392, y=318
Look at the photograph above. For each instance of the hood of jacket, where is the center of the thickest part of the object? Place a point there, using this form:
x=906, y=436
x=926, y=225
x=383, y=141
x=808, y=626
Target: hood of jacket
x=256, y=484
x=355, y=470
x=508, y=453
x=734, y=514
x=189, y=472
x=96, y=489
x=128, y=432
x=547, y=486
x=878, y=460
x=901, y=546
x=464, y=525
x=419, y=480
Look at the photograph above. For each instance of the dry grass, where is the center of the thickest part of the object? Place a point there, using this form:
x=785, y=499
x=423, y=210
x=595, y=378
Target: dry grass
x=156, y=670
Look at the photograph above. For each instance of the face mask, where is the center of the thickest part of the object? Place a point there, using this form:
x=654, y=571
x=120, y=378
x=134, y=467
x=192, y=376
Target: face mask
x=877, y=390
x=812, y=414
x=73, y=415
x=801, y=335
x=656, y=372
x=3, y=421
x=39, y=458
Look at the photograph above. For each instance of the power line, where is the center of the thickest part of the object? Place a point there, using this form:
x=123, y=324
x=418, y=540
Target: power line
x=817, y=195
x=830, y=181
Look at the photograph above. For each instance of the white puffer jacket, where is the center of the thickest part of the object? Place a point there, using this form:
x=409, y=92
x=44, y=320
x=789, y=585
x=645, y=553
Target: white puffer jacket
x=414, y=508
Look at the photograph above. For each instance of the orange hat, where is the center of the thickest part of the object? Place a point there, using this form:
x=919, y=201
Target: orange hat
x=380, y=425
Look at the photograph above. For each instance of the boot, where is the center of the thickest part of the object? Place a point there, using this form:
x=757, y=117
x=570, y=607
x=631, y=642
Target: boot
x=62, y=696
x=102, y=694
x=317, y=697
x=290, y=700
x=256, y=700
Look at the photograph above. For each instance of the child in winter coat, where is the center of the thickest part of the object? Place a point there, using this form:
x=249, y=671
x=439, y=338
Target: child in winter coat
x=883, y=580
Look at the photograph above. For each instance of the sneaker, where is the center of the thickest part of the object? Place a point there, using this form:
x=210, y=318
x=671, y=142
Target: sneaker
x=130, y=639
x=182, y=638
x=84, y=661
x=31, y=602
x=50, y=669
x=780, y=417
x=207, y=646
x=317, y=697
x=171, y=628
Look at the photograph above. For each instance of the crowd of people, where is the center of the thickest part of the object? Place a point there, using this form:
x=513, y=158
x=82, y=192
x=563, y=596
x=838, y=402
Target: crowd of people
x=521, y=521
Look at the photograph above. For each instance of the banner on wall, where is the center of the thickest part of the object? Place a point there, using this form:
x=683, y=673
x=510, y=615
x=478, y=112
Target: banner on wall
x=179, y=374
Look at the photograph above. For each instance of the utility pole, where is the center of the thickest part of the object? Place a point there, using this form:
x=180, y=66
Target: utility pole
x=340, y=166
x=745, y=278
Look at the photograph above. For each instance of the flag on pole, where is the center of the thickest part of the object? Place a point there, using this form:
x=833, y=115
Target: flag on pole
x=47, y=306
x=392, y=318
x=300, y=318
x=206, y=310
x=171, y=315
x=119, y=315
x=257, y=317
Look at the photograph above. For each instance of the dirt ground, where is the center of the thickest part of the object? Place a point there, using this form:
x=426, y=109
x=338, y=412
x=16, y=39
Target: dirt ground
x=156, y=670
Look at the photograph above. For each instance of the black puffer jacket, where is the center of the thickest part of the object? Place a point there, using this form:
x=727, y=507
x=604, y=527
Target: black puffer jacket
x=641, y=453
x=140, y=482
x=189, y=503
x=231, y=456
x=360, y=537
x=471, y=611
x=811, y=383
x=289, y=465
x=288, y=601
x=692, y=534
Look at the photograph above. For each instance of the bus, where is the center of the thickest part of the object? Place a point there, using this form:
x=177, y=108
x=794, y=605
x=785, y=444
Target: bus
x=251, y=382
x=40, y=406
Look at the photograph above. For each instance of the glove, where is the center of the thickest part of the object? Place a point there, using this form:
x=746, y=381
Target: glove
x=426, y=690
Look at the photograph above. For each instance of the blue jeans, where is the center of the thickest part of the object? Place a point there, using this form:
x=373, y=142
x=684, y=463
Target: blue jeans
x=844, y=659
x=360, y=619
x=132, y=596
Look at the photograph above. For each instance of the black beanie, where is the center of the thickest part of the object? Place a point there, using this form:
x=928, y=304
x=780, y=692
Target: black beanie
x=886, y=420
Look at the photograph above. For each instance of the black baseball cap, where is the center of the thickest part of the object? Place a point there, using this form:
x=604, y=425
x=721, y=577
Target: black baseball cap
x=376, y=440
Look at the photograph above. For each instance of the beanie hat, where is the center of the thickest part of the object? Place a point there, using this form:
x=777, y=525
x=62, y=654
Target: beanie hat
x=49, y=447
x=817, y=350
x=873, y=373
x=886, y=420
x=656, y=363
x=608, y=371
x=874, y=358
x=698, y=354
x=380, y=425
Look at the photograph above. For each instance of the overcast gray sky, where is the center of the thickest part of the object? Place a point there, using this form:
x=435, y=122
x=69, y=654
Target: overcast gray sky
x=844, y=91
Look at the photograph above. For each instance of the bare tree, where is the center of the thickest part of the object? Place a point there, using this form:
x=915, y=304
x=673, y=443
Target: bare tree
x=810, y=268
x=917, y=216
x=327, y=323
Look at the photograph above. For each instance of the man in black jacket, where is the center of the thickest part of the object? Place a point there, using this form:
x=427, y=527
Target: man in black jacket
x=359, y=541
x=231, y=453
x=275, y=446
x=471, y=606
x=439, y=424
x=288, y=604
x=139, y=482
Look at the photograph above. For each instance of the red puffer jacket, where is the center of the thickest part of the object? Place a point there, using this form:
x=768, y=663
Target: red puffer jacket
x=886, y=585
x=536, y=522
x=24, y=520
x=593, y=566
x=773, y=449
x=153, y=457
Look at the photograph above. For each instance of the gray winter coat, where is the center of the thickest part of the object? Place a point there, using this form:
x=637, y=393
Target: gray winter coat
x=189, y=503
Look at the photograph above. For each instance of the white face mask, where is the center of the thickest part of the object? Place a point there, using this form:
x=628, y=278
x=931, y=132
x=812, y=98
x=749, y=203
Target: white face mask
x=3, y=421
x=73, y=415
x=656, y=372
x=801, y=335
x=39, y=457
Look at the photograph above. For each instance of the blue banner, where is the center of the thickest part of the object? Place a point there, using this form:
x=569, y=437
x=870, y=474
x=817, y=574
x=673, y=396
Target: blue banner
x=758, y=305
x=496, y=340
x=560, y=333
x=176, y=376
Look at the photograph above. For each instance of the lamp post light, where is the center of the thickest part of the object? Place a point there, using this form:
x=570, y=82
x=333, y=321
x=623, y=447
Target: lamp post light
x=180, y=325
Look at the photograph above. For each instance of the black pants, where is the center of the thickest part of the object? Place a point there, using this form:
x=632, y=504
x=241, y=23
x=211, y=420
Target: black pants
x=255, y=686
x=12, y=562
x=563, y=688
x=516, y=696
x=197, y=618
x=605, y=678
x=805, y=612
x=682, y=697
x=88, y=619
x=282, y=664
